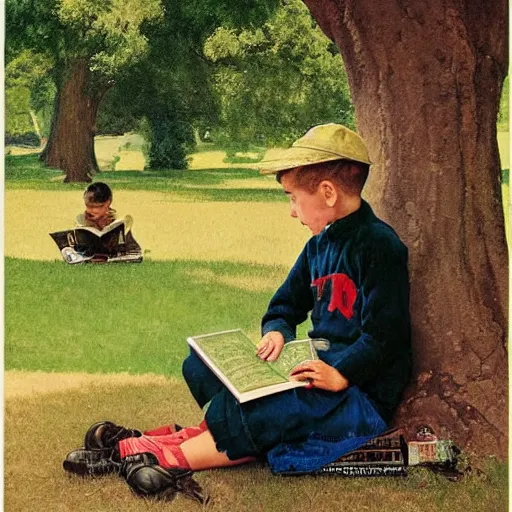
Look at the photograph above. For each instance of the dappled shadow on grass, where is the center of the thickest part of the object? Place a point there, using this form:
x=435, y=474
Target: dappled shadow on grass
x=240, y=194
x=242, y=160
x=40, y=431
x=203, y=177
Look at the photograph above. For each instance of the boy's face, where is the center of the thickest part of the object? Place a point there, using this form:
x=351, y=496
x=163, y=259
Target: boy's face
x=311, y=209
x=97, y=210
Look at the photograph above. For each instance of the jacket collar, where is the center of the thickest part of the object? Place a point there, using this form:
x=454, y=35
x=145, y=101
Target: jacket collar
x=351, y=222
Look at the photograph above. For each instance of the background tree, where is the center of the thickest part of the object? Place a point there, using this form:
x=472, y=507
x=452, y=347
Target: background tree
x=158, y=109
x=90, y=42
x=426, y=80
x=29, y=93
x=277, y=80
x=171, y=87
x=173, y=83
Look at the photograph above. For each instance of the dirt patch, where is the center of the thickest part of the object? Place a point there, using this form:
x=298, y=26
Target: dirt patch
x=21, y=384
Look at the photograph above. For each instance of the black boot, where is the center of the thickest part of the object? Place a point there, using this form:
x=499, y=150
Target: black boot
x=105, y=435
x=149, y=480
x=86, y=462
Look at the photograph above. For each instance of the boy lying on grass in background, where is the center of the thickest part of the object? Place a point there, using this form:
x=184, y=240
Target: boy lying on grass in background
x=352, y=278
x=99, y=237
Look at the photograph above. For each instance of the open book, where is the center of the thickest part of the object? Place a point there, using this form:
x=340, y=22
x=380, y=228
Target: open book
x=115, y=243
x=231, y=355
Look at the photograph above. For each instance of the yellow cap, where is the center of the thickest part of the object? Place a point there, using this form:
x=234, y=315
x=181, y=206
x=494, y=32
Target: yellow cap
x=321, y=143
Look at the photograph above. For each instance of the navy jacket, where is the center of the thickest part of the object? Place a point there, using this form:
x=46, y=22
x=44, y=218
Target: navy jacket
x=353, y=280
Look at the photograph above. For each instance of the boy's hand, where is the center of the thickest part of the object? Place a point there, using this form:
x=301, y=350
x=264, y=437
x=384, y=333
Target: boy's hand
x=270, y=346
x=320, y=375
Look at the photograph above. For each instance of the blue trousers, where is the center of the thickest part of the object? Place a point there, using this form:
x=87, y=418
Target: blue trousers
x=256, y=427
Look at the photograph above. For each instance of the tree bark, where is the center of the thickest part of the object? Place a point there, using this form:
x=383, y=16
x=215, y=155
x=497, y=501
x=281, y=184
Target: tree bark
x=70, y=145
x=426, y=79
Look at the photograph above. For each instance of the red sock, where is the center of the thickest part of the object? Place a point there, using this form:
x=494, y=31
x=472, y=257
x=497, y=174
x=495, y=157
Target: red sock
x=166, y=448
x=161, y=431
x=168, y=455
x=186, y=433
x=167, y=430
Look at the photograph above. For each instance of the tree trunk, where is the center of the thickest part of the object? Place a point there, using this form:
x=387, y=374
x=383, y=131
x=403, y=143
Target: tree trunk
x=70, y=146
x=426, y=81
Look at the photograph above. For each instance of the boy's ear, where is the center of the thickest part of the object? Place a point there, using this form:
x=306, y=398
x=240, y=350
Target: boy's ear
x=329, y=192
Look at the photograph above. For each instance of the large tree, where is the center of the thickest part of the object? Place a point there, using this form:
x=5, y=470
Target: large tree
x=90, y=42
x=426, y=79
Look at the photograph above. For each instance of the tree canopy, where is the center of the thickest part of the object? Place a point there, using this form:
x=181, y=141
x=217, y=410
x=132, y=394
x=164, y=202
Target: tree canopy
x=95, y=45
x=277, y=80
x=246, y=71
x=108, y=34
x=29, y=93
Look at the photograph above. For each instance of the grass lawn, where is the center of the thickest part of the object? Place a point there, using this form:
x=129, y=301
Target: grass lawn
x=504, y=146
x=95, y=317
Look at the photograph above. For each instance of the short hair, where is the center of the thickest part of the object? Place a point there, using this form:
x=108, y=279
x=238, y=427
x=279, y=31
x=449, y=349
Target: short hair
x=349, y=175
x=97, y=192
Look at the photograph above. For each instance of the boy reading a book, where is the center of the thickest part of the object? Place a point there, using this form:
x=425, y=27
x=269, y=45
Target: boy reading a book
x=99, y=214
x=352, y=278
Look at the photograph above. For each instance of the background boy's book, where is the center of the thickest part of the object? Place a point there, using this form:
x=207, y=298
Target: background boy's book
x=86, y=243
x=231, y=355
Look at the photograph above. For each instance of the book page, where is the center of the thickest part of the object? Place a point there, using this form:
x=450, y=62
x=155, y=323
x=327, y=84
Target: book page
x=294, y=353
x=235, y=355
x=125, y=221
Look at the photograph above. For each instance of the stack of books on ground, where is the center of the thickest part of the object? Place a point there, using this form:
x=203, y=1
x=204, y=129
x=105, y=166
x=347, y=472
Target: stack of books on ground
x=384, y=455
x=391, y=455
x=85, y=244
